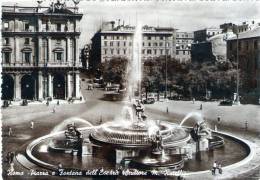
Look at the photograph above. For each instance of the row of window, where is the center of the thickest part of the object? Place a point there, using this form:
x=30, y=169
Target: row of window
x=147, y=37
x=26, y=41
x=130, y=44
x=26, y=26
x=182, y=52
x=148, y=51
x=244, y=45
x=183, y=35
x=7, y=41
x=26, y=57
x=212, y=33
x=184, y=41
x=183, y=47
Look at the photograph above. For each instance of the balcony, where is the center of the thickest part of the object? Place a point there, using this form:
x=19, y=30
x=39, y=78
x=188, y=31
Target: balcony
x=18, y=64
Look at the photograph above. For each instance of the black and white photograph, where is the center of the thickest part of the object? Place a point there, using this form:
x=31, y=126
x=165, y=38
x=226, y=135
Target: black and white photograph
x=130, y=89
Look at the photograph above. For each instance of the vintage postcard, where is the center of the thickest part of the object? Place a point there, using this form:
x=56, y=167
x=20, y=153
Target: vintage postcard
x=130, y=89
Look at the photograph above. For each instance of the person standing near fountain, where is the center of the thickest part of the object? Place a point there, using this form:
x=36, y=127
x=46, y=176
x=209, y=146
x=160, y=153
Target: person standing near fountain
x=10, y=132
x=214, y=168
x=219, y=168
x=32, y=124
x=53, y=110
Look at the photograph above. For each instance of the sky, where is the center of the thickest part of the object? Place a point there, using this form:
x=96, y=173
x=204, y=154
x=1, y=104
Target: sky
x=184, y=15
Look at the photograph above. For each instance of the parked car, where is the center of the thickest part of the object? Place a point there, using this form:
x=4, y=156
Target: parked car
x=149, y=101
x=226, y=102
x=176, y=97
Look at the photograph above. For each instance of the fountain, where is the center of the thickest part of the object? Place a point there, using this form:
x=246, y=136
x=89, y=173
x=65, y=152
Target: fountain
x=133, y=140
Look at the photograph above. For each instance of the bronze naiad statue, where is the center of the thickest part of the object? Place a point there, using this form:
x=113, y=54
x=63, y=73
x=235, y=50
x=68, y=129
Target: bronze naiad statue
x=157, y=146
x=73, y=136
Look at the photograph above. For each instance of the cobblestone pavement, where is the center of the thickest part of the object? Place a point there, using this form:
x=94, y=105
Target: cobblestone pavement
x=19, y=118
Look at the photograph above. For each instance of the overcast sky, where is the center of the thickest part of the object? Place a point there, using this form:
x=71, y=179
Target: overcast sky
x=184, y=15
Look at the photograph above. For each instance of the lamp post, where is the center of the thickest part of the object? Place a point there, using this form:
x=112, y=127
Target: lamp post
x=165, y=96
x=237, y=101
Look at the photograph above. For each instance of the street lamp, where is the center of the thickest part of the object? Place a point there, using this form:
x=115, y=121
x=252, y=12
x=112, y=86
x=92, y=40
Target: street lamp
x=237, y=101
x=165, y=96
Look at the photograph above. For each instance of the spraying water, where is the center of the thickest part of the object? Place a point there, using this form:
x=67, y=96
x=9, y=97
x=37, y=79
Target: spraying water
x=78, y=121
x=135, y=66
x=196, y=115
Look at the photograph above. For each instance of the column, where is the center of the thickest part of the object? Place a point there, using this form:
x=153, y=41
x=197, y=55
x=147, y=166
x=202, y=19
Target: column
x=77, y=94
x=68, y=85
x=68, y=25
x=39, y=25
x=49, y=50
x=68, y=50
x=50, y=86
x=77, y=52
x=40, y=86
x=17, y=87
x=16, y=42
x=40, y=59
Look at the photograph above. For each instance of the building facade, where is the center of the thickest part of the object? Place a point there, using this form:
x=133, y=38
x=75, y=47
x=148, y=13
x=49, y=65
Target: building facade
x=40, y=54
x=183, y=46
x=204, y=34
x=248, y=48
x=117, y=41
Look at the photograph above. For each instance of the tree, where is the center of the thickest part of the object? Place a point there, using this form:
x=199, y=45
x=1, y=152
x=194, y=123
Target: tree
x=114, y=71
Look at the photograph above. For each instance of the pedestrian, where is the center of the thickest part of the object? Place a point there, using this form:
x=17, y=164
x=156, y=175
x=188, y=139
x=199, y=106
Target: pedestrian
x=218, y=120
x=53, y=110
x=219, y=168
x=58, y=102
x=32, y=124
x=100, y=121
x=8, y=157
x=246, y=125
x=214, y=168
x=167, y=110
x=193, y=100
x=216, y=128
x=10, y=131
x=200, y=106
x=12, y=157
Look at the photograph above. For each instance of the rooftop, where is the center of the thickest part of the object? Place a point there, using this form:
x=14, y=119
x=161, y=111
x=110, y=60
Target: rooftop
x=248, y=34
x=56, y=8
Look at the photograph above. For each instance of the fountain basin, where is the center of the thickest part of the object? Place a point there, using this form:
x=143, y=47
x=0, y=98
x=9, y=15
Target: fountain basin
x=137, y=136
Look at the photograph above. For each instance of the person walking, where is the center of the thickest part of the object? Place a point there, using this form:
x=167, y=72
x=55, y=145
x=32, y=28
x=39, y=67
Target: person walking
x=10, y=132
x=32, y=124
x=200, y=106
x=8, y=157
x=214, y=168
x=218, y=119
x=219, y=168
x=12, y=157
x=53, y=110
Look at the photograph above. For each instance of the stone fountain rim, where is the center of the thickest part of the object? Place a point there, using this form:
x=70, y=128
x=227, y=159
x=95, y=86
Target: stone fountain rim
x=247, y=159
